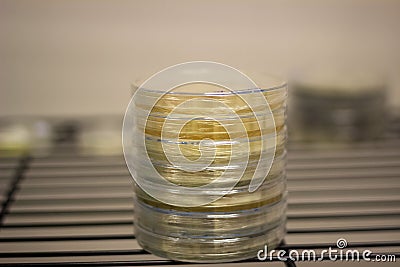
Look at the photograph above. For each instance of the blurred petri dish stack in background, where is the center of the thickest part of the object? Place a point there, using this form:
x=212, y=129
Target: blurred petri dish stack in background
x=338, y=107
x=20, y=136
x=238, y=223
x=98, y=135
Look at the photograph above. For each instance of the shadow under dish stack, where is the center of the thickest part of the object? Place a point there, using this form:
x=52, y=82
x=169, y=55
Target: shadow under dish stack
x=239, y=223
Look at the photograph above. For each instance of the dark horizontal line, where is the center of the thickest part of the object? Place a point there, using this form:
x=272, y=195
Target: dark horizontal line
x=8, y=168
x=82, y=175
x=380, y=145
x=332, y=155
x=72, y=253
x=341, y=168
x=7, y=159
x=99, y=263
x=342, y=215
x=61, y=212
x=65, y=224
x=322, y=155
x=67, y=238
x=75, y=176
x=162, y=262
x=361, y=203
x=294, y=190
x=96, y=198
x=58, y=155
x=339, y=230
x=292, y=177
x=99, y=164
x=89, y=187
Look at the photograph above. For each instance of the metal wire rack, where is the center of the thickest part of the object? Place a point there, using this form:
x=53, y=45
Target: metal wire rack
x=72, y=209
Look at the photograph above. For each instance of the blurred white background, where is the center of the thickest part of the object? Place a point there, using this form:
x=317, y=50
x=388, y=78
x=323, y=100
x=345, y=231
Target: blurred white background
x=79, y=57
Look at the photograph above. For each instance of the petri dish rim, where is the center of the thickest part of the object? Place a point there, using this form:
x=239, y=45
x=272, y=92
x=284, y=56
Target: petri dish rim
x=276, y=84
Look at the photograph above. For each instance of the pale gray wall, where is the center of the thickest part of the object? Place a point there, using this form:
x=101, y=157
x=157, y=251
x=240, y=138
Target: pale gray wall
x=71, y=57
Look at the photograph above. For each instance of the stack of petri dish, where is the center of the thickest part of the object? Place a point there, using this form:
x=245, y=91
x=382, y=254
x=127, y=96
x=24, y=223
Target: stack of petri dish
x=238, y=223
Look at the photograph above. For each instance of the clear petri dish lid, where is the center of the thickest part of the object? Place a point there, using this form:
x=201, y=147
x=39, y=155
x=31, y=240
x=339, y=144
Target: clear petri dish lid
x=221, y=106
x=207, y=78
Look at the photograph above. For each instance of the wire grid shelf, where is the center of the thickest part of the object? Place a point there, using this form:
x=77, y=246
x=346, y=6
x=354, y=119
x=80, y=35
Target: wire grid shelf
x=72, y=209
